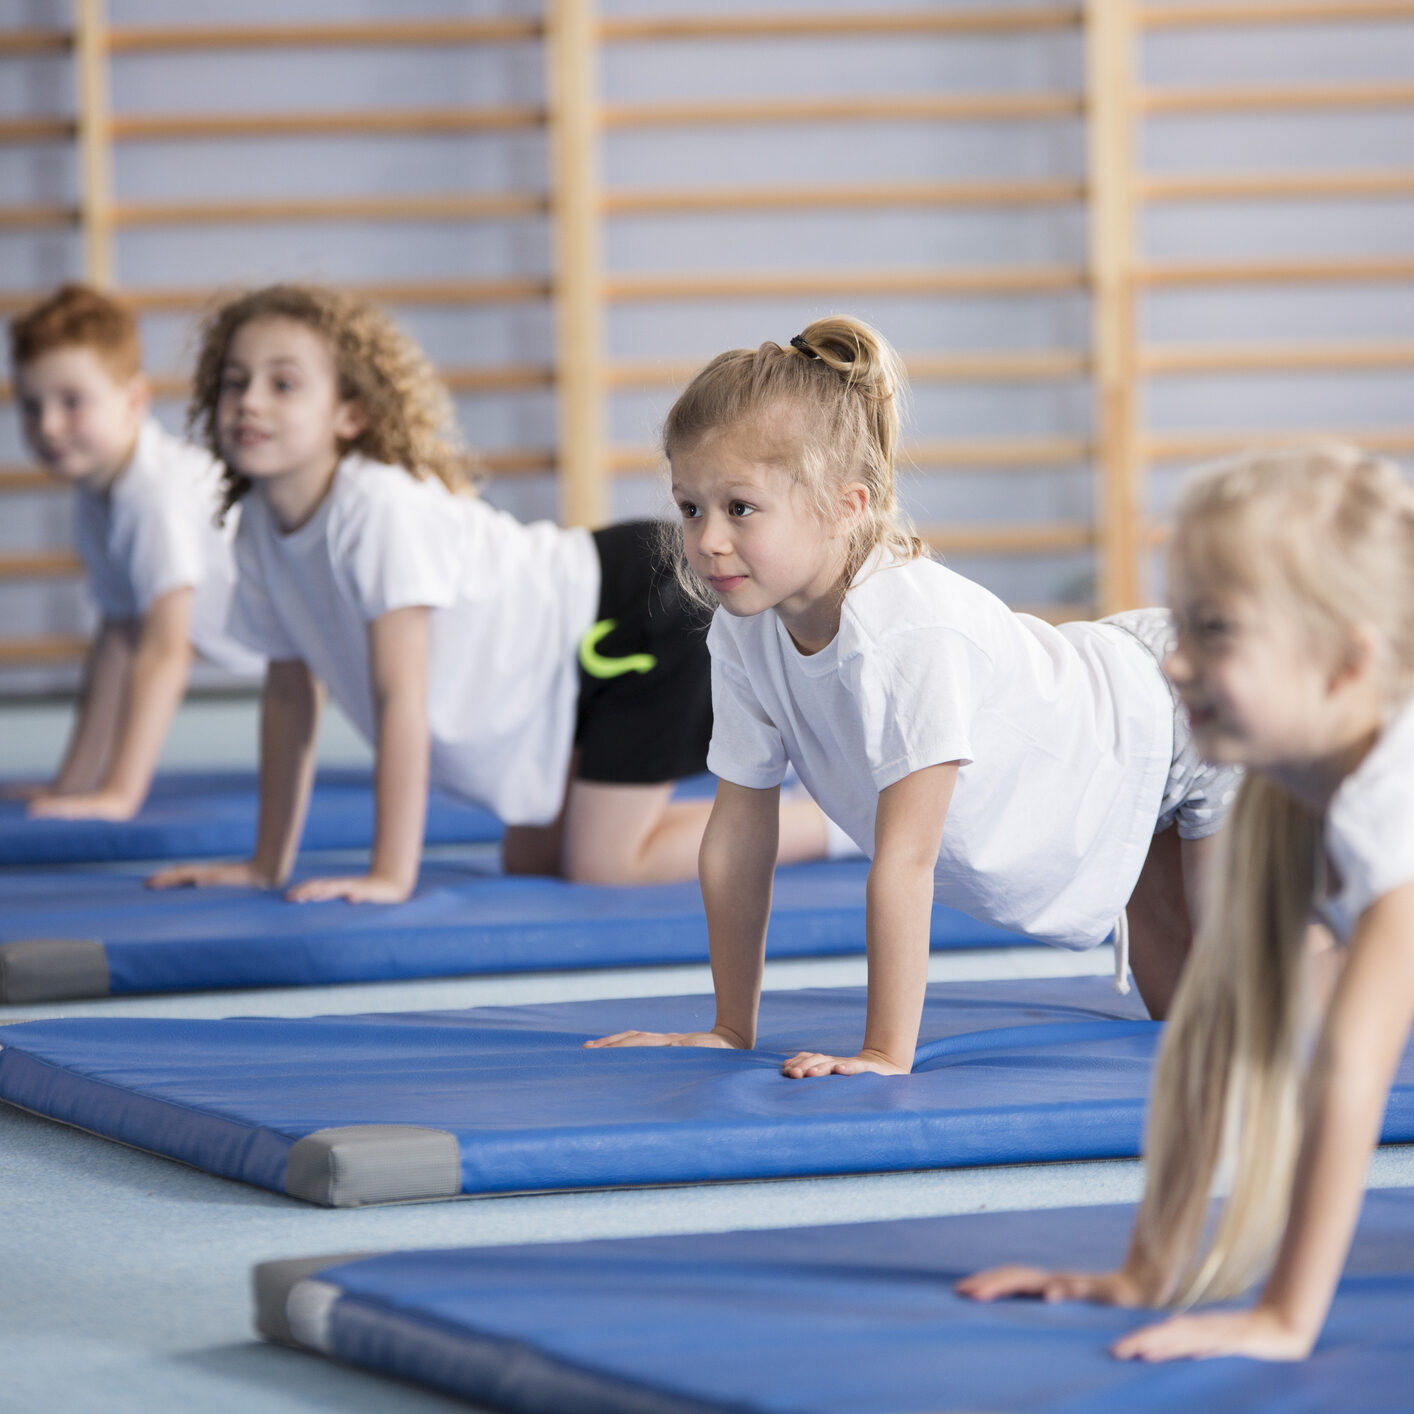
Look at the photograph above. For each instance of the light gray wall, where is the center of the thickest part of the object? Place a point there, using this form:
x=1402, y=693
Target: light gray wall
x=784, y=153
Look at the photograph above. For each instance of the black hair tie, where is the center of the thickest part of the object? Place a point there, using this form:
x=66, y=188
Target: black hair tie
x=799, y=343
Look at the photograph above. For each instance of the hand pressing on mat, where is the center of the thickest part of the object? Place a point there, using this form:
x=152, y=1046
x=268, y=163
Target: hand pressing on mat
x=719, y=1037
x=237, y=874
x=1260, y=1334
x=1102, y=1288
x=805, y=1064
x=83, y=805
x=358, y=888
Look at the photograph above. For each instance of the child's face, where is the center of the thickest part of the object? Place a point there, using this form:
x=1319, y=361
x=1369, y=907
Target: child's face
x=279, y=413
x=80, y=421
x=749, y=530
x=1258, y=690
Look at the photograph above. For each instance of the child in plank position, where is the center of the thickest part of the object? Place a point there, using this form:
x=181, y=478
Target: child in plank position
x=1292, y=578
x=145, y=504
x=1034, y=777
x=555, y=676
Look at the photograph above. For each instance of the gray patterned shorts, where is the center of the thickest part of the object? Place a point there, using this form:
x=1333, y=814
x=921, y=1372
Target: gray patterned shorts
x=1197, y=794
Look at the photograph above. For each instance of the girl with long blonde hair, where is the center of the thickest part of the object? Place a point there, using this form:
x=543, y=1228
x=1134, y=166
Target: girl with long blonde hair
x=1035, y=777
x=1292, y=577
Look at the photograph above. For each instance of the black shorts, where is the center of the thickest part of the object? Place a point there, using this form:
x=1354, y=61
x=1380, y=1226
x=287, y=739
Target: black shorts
x=645, y=684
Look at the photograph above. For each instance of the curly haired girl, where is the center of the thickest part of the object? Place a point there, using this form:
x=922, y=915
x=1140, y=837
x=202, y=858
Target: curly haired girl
x=555, y=676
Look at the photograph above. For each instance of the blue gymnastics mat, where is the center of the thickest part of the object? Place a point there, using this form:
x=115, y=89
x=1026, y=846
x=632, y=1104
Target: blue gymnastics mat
x=198, y=815
x=346, y=1110
x=827, y=1320
x=70, y=934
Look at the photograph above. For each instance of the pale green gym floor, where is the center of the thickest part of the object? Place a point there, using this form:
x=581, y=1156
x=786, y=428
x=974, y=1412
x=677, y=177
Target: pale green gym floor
x=124, y=1277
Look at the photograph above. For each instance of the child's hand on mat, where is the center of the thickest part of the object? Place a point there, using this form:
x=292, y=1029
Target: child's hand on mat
x=241, y=874
x=1259, y=1333
x=1102, y=1288
x=723, y=1039
x=84, y=805
x=357, y=888
x=809, y=1063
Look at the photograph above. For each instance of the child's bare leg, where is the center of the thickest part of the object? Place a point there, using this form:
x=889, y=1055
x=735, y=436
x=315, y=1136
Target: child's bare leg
x=631, y=834
x=1162, y=911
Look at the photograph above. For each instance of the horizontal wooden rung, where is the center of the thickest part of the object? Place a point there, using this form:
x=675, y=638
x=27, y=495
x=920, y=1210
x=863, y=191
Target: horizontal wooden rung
x=31, y=652
x=174, y=127
x=151, y=39
x=1275, y=186
x=1280, y=272
x=404, y=293
x=23, y=130
x=1060, y=191
x=755, y=284
x=991, y=19
x=37, y=218
x=1262, y=358
x=29, y=43
x=953, y=454
x=1002, y=365
x=23, y=479
x=1209, y=14
x=1204, y=446
x=39, y=564
x=1260, y=98
x=491, y=206
x=1015, y=538
x=891, y=108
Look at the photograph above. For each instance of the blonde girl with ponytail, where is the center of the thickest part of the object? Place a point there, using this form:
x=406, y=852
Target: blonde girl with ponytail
x=1292, y=578
x=1031, y=776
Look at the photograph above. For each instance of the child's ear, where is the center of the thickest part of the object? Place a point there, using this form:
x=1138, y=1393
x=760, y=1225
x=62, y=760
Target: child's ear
x=350, y=419
x=853, y=505
x=1360, y=660
x=139, y=395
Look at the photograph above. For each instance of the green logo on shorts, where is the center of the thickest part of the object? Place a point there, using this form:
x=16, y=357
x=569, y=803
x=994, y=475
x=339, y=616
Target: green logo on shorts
x=598, y=666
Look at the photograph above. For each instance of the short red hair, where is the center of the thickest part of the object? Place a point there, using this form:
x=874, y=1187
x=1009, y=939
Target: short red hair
x=78, y=316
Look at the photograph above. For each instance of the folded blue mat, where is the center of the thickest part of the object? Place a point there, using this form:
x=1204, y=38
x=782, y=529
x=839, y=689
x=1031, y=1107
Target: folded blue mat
x=200, y=815
x=353, y=1109
x=826, y=1320
x=71, y=934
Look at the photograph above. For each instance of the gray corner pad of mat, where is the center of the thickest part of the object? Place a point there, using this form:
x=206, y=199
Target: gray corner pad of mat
x=374, y=1163
x=52, y=970
x=273, y=1282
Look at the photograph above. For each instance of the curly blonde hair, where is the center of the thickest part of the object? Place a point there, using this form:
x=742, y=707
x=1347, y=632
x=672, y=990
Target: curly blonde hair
x=410, y=421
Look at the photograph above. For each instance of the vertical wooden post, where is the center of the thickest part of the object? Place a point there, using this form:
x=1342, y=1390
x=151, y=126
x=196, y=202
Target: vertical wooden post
x=576, y=211
x=95, y=140
x=1110, y=39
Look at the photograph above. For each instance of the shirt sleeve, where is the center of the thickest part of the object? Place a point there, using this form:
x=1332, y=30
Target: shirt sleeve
x=251, y=618
x=404, y=547
x=918, y=695
x=746, y=746
x=163, y=548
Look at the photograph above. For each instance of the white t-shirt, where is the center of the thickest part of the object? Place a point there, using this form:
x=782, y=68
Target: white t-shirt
x=1065, y=738
x=509, y=604
x=1369, y=828
x=154, y=530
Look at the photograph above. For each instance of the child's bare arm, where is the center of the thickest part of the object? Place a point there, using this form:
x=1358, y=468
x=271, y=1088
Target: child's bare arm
x=397, y=643
x=908, y=832
x=1363, y=1038
x=289, y=721
x=100, y=701
x=146, y=689
x=735, y=868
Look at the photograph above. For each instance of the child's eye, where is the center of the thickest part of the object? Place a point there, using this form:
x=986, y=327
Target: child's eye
x=71, y=402
x=284, y=385
x=689, y=511
x=232, y=383
x=740, y=509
